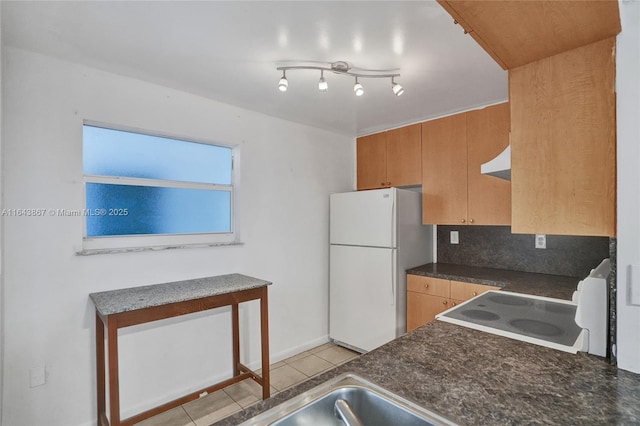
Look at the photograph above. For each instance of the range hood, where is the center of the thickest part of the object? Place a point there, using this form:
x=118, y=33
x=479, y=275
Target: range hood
x=500, y=166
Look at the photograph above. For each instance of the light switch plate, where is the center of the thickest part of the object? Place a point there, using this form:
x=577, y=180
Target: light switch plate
x=541, y=241
x=454, y=237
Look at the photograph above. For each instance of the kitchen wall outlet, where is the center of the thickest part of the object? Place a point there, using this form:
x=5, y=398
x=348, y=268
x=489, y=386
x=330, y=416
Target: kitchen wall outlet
x=454, y=237
x=541, y=241
x=37, y=376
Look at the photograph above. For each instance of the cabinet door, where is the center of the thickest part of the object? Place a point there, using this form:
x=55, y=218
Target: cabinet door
x=362, y=296
x=515, y=33
x=404, y=146
x=464, y=291
x=371, y=157
x=423, y=308
x=489, y=198
x=563, y=143
x=444, y=170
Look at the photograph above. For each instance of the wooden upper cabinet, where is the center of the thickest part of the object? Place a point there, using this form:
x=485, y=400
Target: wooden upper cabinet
x=403, y=156
x=444, y=170
x=454, y=192
x=371, y=157
x=516, y=33
x=390, y=158
x=489, y=198
x=563, y=143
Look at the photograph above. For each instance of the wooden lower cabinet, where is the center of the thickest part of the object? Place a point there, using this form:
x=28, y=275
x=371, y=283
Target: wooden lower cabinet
x=464, y=291
x=428, y=285
x=422, y=308
x=427, y=297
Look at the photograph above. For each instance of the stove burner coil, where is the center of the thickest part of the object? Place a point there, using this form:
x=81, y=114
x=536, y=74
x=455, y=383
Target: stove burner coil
x=539, y=328
x=505, y=299
x=477, y=314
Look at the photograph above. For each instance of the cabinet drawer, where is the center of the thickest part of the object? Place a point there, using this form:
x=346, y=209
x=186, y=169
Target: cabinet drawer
x=455, y=302
x=465, y=291
x=428, y=285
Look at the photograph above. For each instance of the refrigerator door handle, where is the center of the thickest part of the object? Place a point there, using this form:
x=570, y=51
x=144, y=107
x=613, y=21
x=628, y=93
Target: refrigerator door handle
x=393, y=277
x=394, y=241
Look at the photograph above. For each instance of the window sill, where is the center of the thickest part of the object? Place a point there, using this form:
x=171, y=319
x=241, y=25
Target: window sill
x=92, y=252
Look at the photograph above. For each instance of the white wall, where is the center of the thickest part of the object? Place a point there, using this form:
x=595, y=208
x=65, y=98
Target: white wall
x=628, y=111
x=287, y=173
x=1, y=245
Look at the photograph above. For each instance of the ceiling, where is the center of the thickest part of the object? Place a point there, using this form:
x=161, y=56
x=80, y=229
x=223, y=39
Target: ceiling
x=229, y=50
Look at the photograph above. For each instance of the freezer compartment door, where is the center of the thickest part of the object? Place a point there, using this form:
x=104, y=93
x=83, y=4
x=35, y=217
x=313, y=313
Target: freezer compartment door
x=362, y=298
x=363, y=218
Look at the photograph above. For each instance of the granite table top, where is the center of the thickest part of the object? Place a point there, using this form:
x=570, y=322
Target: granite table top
x=476, y=378
x=130, y=299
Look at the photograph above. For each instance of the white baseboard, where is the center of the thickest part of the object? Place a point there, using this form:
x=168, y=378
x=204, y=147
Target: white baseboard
x=253, y=365
x=273, y=358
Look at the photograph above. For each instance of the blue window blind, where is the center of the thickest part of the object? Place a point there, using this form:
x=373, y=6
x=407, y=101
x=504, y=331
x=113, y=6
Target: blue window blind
x=138, y=184
x=111, y=152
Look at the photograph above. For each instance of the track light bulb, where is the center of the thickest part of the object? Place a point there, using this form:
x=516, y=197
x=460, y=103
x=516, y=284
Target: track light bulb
x=398, y=90
x=284, y=83
x=323, y=86
x=358, y=89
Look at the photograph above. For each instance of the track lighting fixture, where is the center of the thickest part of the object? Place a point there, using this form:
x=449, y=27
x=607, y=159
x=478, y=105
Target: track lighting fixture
x=344, y=68
x=398, y=90
x=358, y=89
x=284, y=83
x=323, y=86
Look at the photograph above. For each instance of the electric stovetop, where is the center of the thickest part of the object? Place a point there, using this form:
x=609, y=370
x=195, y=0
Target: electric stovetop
x=540, y=320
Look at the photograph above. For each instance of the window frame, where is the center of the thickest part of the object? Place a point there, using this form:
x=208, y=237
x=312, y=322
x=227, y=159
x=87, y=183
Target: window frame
x=145, y=241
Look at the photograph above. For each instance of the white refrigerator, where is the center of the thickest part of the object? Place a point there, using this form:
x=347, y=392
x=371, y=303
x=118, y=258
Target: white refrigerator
x=375, y=236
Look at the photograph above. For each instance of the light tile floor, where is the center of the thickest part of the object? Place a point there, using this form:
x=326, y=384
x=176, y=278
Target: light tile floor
x=284, y=374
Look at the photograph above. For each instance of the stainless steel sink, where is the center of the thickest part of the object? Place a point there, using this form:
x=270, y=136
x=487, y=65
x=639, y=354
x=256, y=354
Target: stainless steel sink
x=369, y=404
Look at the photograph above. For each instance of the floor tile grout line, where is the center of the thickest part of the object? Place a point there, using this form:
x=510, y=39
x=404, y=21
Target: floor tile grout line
x=314, y=355
x=331, y=367
x=193, y=422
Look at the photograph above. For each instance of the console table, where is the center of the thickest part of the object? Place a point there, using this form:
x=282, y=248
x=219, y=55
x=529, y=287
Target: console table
x=131, y=306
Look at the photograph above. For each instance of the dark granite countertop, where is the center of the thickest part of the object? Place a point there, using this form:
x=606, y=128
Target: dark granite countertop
x=556, y=286
x=476, y=378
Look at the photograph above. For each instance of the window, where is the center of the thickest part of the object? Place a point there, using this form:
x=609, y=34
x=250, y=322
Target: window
x=144, y=190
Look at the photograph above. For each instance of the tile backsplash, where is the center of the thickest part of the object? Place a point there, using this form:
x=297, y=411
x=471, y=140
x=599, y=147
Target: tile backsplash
x=497, y=247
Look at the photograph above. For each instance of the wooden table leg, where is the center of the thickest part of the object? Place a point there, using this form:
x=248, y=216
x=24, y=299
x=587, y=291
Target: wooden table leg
x=114, y=385
x=235, y=320
x=100, y=371
x=264, y=337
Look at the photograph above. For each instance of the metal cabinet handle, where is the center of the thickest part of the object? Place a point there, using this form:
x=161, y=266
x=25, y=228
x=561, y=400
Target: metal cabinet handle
x=463, y=221
x=475, y=293
x=426, y=286
x=444, y=302
x=470, y=220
